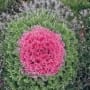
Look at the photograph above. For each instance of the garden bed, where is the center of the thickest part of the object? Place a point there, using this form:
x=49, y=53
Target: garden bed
x=67, y=13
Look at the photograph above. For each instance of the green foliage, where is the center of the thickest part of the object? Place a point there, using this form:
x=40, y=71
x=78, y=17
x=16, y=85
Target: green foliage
x=14, y=79
x=4, y=4
x=77, y=4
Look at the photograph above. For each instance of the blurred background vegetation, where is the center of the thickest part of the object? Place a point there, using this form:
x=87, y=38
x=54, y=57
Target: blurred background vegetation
x=4, y=4
x=77, y=4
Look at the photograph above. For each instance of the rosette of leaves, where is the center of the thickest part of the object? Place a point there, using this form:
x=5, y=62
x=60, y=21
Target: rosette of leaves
x=14, y=78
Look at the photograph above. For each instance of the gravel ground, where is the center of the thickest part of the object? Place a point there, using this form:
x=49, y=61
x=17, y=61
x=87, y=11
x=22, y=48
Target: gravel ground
x=64, y=13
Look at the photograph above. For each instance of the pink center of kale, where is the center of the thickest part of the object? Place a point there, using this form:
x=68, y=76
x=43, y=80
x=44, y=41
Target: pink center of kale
x=41, y=51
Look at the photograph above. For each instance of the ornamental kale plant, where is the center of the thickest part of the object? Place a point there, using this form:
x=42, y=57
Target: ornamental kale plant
x=48, y=51
x=37, y=54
